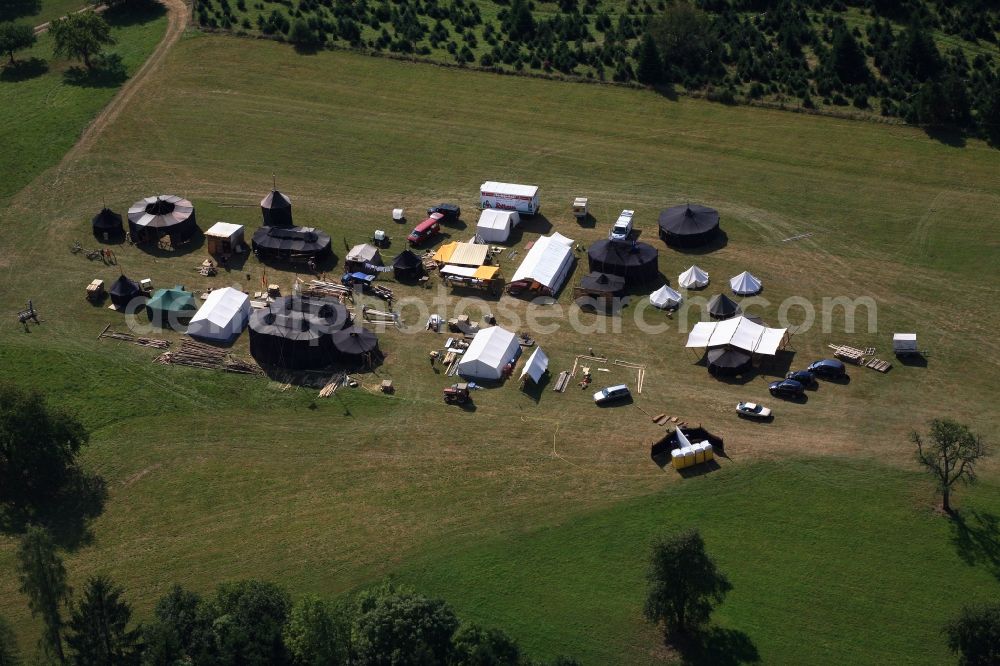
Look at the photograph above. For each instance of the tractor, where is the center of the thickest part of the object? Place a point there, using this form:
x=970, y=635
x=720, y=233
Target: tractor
x=457, y=394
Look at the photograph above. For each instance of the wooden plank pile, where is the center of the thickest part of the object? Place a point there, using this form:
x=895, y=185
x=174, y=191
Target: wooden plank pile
x=200, y=355
x=562, y=381
x=849, y=354
x=325, y=289
x=382, y=292
x=336, y=381
x=378, y=316
x=155, y=343
x=877, y=364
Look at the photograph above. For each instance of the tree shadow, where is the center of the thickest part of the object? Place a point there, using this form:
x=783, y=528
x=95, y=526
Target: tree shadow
x=22, y=70
x=134, y=13
x=14, y=9
x=108, y=72
x=976, y=537
x=67, y=514
x=716, y=646
x=946, y=135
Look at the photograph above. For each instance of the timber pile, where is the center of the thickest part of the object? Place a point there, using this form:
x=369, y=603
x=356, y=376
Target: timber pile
x=382, y=292
x=562, y=382
x=322, y=288
x=379, y=317
x=336, y=381
x=155, y=343
x=849, y=354
x=199, y=355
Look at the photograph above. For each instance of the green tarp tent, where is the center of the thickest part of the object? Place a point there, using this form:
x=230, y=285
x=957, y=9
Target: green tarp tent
x=171, y=308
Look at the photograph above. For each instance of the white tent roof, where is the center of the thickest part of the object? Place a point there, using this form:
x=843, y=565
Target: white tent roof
x=547, y=262
x=222, y=316
x=745, y=284
x=488, y=353
x=536, y=366
x=738, y=332
x=224, y=230
x=665, y=296
x=693, y=277
x=492, y=218
x=461, y=271
x=493, y=187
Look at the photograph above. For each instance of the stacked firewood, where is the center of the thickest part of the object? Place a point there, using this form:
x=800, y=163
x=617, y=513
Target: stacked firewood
x=199, y=355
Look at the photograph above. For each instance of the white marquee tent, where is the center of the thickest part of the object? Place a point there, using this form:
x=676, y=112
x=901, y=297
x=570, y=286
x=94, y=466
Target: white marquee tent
x=693, y=278
x=536, y=366
x=494, y=225
x=547, y=262
x=745, y=284
x=488, y=353
x=738, y=332
x=222, y=316
x=665, y=297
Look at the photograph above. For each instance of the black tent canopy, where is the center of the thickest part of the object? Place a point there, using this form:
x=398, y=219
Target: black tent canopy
x=728, y=361
x=636, y=262
x=290, y=243
x=123, y=292
x=107, y=225
x=407, y=266
x=295, y=332
x=152, y=218
x=276, y=209
x=688, y=225
x=602, y=283
x=722, y=307
x=356, y=345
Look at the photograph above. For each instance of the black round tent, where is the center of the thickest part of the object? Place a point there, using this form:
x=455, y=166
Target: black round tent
x=295, y=332
x=407, y=266
x=722, y=307
x=602, y=283
x=108, y=226
x=356, y=345
x=688, y=225
x=152, y=218
x=727, y=361
x=123, y=292
x=636, y=262
x=290, y=243
x=276, y=209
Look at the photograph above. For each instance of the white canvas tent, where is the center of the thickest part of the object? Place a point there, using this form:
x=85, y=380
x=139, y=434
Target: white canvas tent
x=665, y=297
x=738, y=332
x=547, y=262
x=536, y=366
x=494, y=226
x=693, y=278
x=745, y=284
x=223, y=315
x=489, y=352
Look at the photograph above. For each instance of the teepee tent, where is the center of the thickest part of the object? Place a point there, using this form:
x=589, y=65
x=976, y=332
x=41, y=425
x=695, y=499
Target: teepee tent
x=722, y=307
x=222, y=316
x=107, y=225
x=693, y=278
x=123, y=292
x=276, y=209
x=490, y=351
x=665, y=297
x=745, y=284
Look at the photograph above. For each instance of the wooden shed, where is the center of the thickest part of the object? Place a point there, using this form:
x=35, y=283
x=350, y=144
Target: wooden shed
x=223, y=238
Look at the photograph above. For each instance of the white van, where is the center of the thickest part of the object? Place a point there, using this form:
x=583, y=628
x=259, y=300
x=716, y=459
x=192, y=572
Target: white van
x=623, y=226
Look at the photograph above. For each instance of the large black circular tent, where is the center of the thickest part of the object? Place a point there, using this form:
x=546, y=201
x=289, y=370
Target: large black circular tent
x=108, y=226
x=123, y=292
x=356, y=345
x=722, y=307
x=276, y=209
x=688, y=225
x=296, y=332
x=407, y=266
x=152, y=218
x=636, y=262
x=290, y=243
x=602, y=283
x=728, y=361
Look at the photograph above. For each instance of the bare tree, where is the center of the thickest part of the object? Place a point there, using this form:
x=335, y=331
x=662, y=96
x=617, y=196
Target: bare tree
x=949, y=456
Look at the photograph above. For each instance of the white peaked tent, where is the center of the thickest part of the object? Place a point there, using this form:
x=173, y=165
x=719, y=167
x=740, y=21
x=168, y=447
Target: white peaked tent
x=223, y=316
x=494, y=225
x=665, y=297
x=745, y=284
x=489, y=352
x=547, y=262
x=693, y=278
x=738, y=332
x=536, y=366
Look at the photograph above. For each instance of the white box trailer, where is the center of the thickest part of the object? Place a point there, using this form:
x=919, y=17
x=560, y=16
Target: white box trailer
x=904, y=344
x=509, y=196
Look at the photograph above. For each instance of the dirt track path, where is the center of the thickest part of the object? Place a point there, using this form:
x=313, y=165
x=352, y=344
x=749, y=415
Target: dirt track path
x=178, y=14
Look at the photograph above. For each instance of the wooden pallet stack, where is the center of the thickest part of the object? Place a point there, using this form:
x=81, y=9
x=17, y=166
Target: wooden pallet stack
x=863, y=357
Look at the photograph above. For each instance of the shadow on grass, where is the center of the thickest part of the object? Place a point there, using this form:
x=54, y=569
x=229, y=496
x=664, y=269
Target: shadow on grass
x=947, y=135
x=976, y=536
x=716, y=647
x=67, y=515
x=534, y=390
x=107, y=72
x=134, y=12
x=14, y=9
x=22, y=70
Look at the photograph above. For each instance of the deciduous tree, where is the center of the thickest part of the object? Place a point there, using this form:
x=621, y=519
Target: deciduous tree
x=318, y=633
x=16, y=37
x=975, y=635
x=404, y=629
x=82, y=36
x=949, y=456
x=476, y=646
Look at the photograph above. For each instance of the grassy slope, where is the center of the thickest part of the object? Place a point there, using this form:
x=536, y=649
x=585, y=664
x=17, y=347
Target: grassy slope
x=220, y=477
x=45, y=114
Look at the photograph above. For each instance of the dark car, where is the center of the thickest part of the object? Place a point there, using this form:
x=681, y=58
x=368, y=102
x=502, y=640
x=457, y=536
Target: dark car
x=804, y=377
x=449, y=212
x=828, y=368
x=787, y=388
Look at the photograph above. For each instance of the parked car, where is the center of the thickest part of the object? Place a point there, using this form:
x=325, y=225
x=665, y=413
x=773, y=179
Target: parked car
x=828, y=368
x=450, y=212
x=804, y=377
x=787, y=388
x=753, y=410
x=622, y=228
x=612, y=394
x=426, y=230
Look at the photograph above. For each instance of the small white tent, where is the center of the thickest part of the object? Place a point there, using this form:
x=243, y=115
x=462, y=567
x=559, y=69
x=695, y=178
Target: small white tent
x=536, y=366
x=693, y=278
x=494, y=225
x=547, y=263
x=745, y=284
x=488, y=353
x=223, y=316
x=665, y=297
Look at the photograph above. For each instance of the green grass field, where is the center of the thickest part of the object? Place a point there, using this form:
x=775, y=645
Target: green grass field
x=532, y=515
